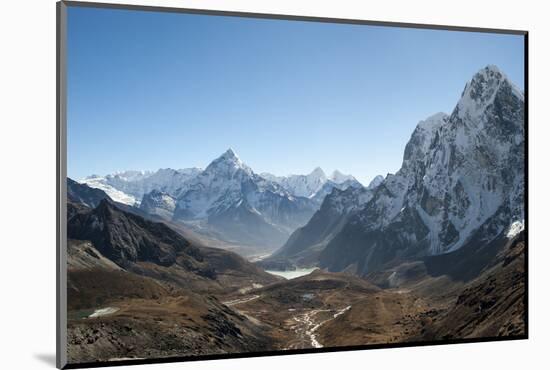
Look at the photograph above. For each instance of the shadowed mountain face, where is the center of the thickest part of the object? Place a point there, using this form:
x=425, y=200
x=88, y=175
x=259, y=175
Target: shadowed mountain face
x=493, y=304
x=158, y=203
x=134, y=240
x=83, y=194
x=124, y=237
x=139, y=245
x=304, y=246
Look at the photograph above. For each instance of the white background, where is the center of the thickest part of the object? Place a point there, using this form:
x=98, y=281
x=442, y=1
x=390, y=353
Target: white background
x=27, y=182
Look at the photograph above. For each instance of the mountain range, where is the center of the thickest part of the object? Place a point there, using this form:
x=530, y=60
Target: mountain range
x=433, y=252
x=461, y=182
x=227, y=200
x=130, y=186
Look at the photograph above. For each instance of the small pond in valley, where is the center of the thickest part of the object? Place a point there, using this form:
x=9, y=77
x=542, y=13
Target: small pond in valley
x=292, y=274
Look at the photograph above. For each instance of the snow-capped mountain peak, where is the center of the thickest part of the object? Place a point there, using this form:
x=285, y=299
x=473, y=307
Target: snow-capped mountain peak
x=315, y=184
x=480, y=93
x=338, y=177
x=130, y=175
x=304, y=185
x=461, y=184
x=318, y=173
x=230, y=154
x=228, y=163
x=422, y=137
x=433, y=122
x=232, y=199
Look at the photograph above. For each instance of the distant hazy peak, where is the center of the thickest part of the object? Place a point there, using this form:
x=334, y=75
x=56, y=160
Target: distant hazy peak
x=338, y=177
x=318, y=172
x=375, y=182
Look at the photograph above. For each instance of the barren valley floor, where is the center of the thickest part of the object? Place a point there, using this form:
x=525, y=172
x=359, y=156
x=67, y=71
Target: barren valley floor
x=150, y=318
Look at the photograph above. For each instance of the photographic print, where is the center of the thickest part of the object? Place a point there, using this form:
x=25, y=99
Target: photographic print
x=241, y=185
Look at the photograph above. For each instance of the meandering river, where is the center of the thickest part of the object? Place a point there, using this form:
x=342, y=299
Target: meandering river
x=308, y=324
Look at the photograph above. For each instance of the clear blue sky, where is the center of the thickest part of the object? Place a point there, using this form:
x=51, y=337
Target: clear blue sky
x=153, y=90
